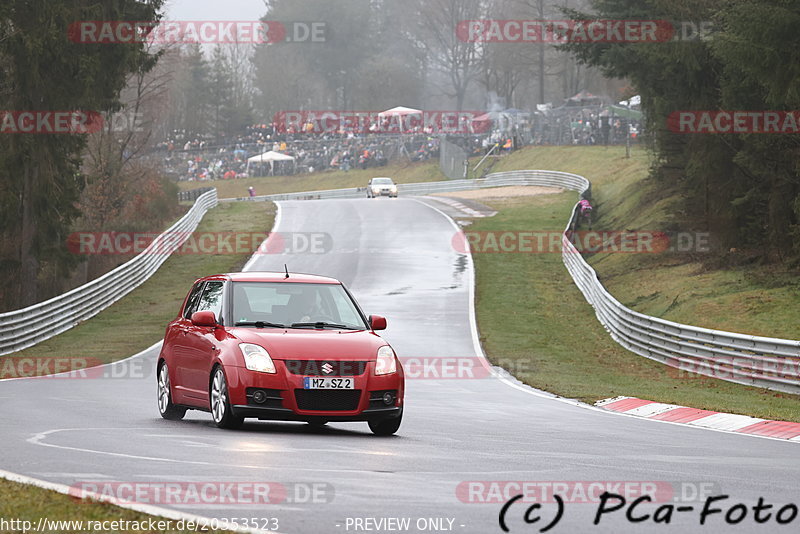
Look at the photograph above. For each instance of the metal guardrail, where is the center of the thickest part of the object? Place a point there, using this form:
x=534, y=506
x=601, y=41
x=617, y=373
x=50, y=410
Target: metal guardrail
x=770, y=363
x=540, y=178
x=192, y=194
x=26, y=327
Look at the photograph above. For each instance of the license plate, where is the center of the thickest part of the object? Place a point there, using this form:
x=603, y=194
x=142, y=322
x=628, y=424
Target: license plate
x=310, y=382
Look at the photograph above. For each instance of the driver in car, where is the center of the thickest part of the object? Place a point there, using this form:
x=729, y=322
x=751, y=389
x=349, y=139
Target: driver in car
x=303, y=308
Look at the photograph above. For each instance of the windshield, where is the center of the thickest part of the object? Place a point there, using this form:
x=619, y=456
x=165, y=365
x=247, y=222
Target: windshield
x=276, y=304
x=382, y=181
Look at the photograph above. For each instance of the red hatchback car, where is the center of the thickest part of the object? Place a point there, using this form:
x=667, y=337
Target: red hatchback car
x=278, y=347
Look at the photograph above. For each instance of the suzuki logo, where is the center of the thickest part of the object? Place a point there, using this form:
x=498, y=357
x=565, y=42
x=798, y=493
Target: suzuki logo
x=327, y=368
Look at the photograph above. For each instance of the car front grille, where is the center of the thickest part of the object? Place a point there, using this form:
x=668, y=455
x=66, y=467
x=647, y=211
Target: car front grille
x=325, y=368
x=334, y=400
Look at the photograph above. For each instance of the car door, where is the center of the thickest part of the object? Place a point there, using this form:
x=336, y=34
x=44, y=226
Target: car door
x=200, y=343
x=177, y=345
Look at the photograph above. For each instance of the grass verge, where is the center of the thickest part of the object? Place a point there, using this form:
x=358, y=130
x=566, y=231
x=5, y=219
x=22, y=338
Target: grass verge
x=25, y=503
x=679, y=286
x=400, y=172
x=138, y=320
x=532, y=317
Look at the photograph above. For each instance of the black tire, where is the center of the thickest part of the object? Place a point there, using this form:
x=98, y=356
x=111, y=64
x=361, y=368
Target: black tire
x=166, y=408
x=385, y=427
x=220, y=402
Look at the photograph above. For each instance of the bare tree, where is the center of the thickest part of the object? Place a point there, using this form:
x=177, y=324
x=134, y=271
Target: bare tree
x=458, y=59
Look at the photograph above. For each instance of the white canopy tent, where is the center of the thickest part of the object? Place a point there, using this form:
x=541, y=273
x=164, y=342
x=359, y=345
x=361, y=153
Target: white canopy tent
x=399, y=118
x=399, y=111
x=269, y=157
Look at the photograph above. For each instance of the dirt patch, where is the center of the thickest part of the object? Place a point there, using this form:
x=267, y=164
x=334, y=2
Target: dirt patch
x=498, y=193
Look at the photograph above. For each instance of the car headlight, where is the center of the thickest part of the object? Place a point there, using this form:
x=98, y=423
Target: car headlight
x=387, y=363
x=393, y=189
x=375, y=189
x=256, y=358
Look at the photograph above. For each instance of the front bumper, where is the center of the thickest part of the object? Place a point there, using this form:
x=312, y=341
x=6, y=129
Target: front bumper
x=285, y=399
x=283, y=414
x=384, y=193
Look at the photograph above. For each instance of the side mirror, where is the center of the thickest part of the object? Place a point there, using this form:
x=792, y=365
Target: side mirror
x=204, y=318
x=376, y=322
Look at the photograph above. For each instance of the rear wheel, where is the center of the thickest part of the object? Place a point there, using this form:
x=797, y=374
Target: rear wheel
x=385, y=427
x=165, y=406
x=221, y=404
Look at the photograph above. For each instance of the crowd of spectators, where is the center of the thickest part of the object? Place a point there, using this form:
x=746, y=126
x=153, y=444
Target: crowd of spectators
x=583, y=126
x=187, y=157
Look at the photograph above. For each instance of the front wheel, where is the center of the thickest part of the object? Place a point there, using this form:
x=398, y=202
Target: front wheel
x=165, y=407
x=385, y=427
x=221, y=404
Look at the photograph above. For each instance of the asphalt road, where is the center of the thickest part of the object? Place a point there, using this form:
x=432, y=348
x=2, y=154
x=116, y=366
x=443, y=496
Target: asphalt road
x=396, y=257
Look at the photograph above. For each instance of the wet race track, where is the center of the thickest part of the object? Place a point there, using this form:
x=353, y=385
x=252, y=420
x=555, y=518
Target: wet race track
x=466, y=433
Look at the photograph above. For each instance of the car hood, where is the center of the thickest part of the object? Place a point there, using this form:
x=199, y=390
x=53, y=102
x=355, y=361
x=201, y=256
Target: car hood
x=313, y=344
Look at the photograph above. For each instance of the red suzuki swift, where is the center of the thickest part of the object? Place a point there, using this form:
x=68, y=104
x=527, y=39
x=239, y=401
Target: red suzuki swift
x=278, y=347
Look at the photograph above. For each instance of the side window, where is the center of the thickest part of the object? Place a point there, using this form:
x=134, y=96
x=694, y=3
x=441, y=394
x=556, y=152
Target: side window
x=191, y=302
x=211, y=299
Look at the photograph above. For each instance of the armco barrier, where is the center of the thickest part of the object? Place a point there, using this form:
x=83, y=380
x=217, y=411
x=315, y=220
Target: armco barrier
x=540, y=178
x=24, y=328
x=752, y=360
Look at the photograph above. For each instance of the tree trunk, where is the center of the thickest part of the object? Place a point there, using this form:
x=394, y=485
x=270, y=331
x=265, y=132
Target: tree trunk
x=28, y=264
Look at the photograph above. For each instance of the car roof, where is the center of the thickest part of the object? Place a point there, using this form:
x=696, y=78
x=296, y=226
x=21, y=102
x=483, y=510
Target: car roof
x=381, y=178
x=262, y=276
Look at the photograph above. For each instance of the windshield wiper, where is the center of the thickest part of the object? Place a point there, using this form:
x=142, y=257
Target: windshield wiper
x=260, y=324
x=323, y=324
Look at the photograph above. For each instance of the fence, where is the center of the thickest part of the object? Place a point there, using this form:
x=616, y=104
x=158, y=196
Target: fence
x=771, y=363
x=192, y=194
x=540, y=178
x=24, y=328
x=452, y=159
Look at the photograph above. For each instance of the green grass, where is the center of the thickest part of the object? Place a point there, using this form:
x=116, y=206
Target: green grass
x=400, y=172
x=138, y=320
x=681, y=287
x=28, y=503
x=534, y=321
